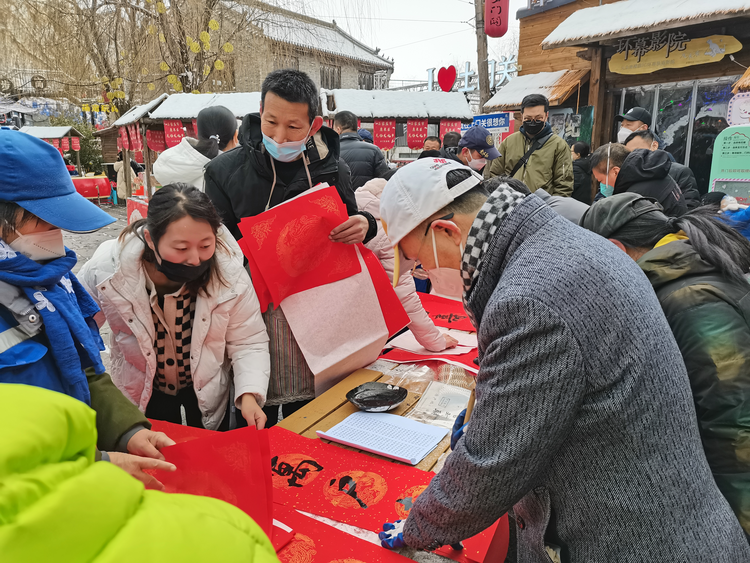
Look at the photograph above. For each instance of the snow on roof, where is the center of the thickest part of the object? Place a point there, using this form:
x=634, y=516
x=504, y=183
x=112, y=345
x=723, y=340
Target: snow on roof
x=7, y=106
x=381, y=104
x=49, y=132
x=137, y=112
x=187, y=106
x=630, y=17
x=556, y=86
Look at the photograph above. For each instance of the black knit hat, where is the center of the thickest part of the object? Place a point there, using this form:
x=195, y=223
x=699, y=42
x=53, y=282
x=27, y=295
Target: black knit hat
x=609, y=215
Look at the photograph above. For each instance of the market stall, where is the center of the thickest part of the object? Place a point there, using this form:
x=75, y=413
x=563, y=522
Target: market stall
x=64, y=139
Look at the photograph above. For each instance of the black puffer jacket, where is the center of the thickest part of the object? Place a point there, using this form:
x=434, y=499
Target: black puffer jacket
x=582, y=180
x=688, y=185
x=364, y=160
x=239, y=181
x=646, y=173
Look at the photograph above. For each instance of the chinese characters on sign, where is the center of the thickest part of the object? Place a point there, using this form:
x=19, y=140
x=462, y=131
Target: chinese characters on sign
x=659, y=40
x=416, y=131
x=496, y=14
x=447, y=125
x=155, y=140
x=173, y=132
x=75, y=143
x=384, y=133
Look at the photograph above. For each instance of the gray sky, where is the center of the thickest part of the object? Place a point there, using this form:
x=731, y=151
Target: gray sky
x=417, y=34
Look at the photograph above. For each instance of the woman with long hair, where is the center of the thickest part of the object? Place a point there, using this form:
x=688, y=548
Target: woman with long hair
x=186, y=325
x=698, y=267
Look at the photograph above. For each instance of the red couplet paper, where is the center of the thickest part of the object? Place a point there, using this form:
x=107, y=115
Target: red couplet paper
x=416, y=131
x=229, y=466
x=465, y=361
x=178, y=432
x=290, y=248
x=317, y=542
x=124, y=141
x=384, y=133
x=448, y=125
x=393, y=311
x=173, y=132
x=56, y=143
x=75, y=143
x=136, y=141
x=65, y=144
x=446, y=313
x=155, y=140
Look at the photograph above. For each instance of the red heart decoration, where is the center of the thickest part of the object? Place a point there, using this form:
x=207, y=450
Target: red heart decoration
x=447, y=78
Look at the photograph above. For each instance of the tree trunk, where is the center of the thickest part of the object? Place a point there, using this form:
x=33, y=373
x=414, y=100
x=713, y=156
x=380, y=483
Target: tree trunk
x=482, y=64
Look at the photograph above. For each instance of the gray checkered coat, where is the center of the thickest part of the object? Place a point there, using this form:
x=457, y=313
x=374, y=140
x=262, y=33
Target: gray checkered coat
x=584, y=421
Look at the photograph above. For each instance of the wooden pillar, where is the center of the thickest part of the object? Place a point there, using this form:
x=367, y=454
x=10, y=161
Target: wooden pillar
x=146, y=161
x=128, y=173
x=78, y=161
x=597, y=91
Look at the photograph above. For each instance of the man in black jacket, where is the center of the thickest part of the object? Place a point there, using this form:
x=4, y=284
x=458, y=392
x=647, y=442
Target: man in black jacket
x=284, y=151
x=679, y=172
x=642, y=172
x=364, y=160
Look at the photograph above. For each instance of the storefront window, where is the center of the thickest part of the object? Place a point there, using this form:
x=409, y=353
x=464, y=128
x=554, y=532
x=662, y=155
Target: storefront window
x=642, y=97
x=672, y=119
x=712, y=102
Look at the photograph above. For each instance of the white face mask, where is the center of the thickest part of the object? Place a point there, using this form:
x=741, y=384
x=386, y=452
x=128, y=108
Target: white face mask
x=623, y=134
x=446, y=282
x=477, y=164
x=44, y=245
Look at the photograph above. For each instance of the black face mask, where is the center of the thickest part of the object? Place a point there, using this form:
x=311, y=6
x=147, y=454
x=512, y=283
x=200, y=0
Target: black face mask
x=181, y=273
x=533, y=127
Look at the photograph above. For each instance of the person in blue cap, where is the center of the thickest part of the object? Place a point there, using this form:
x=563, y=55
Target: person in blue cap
x=475, y=148
x=48, y=336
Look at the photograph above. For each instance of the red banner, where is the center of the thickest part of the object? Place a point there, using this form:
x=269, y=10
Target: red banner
x=75, y=143
x=124, y=141
x=384, y=133
x=155, y=140
x=136, y=141
x=56, y=143
x=65, y=144
x=496, y=15
x=448, y=125
x=173, y=132
x=416, y=131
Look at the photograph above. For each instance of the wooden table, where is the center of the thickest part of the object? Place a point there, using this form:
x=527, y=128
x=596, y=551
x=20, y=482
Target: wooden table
x=332, y=407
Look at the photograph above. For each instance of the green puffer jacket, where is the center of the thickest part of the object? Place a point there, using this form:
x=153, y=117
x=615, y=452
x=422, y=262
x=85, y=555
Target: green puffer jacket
x=710, y=318
x=549, y=168
x=56, y=504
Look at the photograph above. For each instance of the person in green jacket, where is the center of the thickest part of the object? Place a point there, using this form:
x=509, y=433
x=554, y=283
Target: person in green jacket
x=698, y=267
x=549, y=166
x=57, y=505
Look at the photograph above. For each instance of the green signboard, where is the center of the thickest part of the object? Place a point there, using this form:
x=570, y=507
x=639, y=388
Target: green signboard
x=730, y=167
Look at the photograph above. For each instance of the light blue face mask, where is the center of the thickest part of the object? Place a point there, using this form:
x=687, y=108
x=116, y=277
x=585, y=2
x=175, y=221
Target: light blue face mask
x=606, y=190
x=285, y=152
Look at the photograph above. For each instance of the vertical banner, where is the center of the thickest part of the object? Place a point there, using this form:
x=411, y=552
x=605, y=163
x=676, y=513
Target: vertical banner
x=124, y=141
x=496, y=15
x=119, y=144
x=416, y=131
x=191, y=130
x=56, y=143
x=65, y=144
x=173, y=132
x=136, y=141
x=384, y=133
x=155, y=140
x=75, y=143
x=447, y=125
x=195, y=128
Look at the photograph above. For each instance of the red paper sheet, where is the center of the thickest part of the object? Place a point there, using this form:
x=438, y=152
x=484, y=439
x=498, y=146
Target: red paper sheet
x=446, y=312
x=281, y=537
x=291, y=248
x=466, y=361
x=228, y=466
x=316, y=542
x=178, y=432
x=393, y=311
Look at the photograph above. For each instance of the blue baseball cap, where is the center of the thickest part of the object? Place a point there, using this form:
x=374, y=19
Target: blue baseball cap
x=477, y=138
x=365, y=135
x=34, y=176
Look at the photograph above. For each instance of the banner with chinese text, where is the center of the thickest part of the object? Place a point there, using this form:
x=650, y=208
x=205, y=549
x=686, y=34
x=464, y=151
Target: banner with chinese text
x=384, y=133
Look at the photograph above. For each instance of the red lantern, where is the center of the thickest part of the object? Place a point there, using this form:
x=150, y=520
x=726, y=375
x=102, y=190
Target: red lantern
x=75, y=143
x=416, y=131
x=496, y=15
x=384, y=133
x=448, y=125
x=173, y=132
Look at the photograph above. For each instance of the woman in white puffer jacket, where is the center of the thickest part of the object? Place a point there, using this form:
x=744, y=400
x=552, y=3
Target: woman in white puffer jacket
x=424, y=330
x=186, y=324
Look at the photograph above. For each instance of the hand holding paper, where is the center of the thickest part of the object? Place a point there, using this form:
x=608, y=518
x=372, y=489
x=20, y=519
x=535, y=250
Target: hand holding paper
x=351, y=231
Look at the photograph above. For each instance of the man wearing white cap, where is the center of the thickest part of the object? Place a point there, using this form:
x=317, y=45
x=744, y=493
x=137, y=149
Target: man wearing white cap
x=584, y=423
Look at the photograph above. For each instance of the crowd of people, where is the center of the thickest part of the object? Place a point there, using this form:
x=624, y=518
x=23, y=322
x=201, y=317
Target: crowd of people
x=613, y=395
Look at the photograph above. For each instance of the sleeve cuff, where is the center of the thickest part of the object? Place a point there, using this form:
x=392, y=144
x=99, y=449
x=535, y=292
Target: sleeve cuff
x=372, y=229
x=122, y=443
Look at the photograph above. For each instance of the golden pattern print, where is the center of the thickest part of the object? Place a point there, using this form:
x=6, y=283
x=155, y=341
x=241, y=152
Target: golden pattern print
x=406, y=500
x=293, y=243
x=356, y=489
x=300, y=550
x=261, y=230
x=327, y=203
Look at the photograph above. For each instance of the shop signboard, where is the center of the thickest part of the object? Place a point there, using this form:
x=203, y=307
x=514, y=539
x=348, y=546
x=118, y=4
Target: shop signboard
x=730, y=167
x=669, y=49
x=738, y=112
x=500, y=125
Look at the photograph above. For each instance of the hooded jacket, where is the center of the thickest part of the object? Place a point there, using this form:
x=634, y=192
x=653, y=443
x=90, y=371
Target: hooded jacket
x=229, y=338
x=181, y=163
x=582, y=180
x=584, y=421
x=710, y=318
x=646, y=173
x=550, y=167
x=687, y=183
x=241, y=182
x=425, y=331
x=58, y=505
x=364, y=159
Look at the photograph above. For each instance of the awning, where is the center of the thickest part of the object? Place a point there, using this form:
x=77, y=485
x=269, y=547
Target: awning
x=556, y=86
x=387, y=104
x=634, y=17
x=50, y=132
x=187, y=106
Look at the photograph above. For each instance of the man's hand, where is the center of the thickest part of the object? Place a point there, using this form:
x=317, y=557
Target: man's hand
x=450, y=342
x=146, y=443
x=392, y=536
x=251, y=412
x=351, y=231
x=135, y=465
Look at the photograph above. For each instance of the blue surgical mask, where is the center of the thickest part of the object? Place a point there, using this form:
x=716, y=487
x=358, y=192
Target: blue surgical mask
x=285, y=152
x=606, y=189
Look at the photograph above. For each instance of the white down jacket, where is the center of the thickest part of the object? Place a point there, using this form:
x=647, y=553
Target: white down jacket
x=228, y=329
x=424, y=330
x=181, y=163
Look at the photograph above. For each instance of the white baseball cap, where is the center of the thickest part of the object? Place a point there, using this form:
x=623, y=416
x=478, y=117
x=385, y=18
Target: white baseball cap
x=416, y=192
